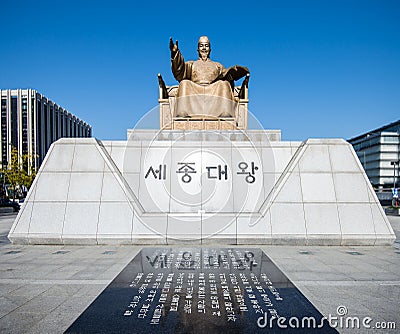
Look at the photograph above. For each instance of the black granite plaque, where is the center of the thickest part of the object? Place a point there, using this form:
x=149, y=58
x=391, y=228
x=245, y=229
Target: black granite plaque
x=200, y=290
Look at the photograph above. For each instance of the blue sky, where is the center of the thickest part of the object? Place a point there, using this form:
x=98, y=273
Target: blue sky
x=318, y=68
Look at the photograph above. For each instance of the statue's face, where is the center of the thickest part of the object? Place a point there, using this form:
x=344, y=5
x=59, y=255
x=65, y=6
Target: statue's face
x=203, y=47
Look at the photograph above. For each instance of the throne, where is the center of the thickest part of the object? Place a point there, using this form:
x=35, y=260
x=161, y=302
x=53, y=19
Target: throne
x=166, y=100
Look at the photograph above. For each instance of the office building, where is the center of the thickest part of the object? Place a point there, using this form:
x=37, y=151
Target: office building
x=31, y=122
x=379, y=153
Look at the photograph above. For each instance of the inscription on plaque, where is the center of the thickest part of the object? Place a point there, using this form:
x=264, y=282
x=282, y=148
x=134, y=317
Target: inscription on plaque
x=198, y=290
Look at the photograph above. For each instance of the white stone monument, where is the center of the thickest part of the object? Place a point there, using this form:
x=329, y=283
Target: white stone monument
x=201, y=187
x=203, y=178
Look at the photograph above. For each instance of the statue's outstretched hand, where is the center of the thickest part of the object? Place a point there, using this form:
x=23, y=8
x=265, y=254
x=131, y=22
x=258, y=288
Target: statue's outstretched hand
x=173, y=47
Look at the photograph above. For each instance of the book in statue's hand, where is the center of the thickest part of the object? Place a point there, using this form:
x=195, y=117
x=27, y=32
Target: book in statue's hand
x=234, y=73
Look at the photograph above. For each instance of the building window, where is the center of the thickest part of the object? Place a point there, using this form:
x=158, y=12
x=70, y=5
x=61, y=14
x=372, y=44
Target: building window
x=65, y=124
x=14, y=122
x=39, y=128
x=51, y=127
x=24, y=126
x=33, y=130
x=45, y=127
x=4, y=139
x=57, y=122
x=390, y=139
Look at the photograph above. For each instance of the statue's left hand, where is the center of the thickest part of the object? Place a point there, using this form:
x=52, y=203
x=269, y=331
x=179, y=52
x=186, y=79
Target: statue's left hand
x=173, y=47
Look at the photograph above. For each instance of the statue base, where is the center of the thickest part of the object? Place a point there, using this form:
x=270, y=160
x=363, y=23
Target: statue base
x=201, y=187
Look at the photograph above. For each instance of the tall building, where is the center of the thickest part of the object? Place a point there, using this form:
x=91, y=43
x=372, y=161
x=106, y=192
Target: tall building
x=379, y=153
x=31, y=122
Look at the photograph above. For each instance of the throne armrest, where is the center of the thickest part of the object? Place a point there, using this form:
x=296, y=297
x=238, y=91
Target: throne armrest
x=243, y=92
x=162, y=87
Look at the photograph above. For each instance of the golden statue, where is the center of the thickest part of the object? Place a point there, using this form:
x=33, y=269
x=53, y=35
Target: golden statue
x=205, y=87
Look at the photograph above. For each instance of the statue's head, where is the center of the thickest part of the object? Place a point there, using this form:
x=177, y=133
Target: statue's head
x=204, y=47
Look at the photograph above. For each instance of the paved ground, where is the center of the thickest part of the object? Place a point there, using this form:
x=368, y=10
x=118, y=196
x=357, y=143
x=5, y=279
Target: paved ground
x=43, y=289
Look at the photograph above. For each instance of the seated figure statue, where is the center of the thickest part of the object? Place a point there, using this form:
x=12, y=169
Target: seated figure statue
x=205, y=86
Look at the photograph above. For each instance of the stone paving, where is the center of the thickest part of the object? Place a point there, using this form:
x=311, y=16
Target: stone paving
x=43, y=289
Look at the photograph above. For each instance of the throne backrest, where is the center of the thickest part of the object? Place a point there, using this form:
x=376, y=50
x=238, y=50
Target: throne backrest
x=240, y=92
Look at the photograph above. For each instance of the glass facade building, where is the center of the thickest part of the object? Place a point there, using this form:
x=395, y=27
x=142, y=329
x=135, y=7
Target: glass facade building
x=379, y=153
x=31, y=122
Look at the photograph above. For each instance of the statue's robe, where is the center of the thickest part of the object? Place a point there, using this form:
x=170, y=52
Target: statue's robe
x=203, y=90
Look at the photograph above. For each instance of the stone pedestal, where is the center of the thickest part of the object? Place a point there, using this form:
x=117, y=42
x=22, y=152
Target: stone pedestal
x=201, y=187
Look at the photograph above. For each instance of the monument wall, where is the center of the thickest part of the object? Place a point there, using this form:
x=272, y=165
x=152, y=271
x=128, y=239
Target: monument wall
x=194, y=188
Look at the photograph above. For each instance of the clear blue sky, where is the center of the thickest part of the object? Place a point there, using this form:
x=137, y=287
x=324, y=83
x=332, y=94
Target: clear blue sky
x=318, y=68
